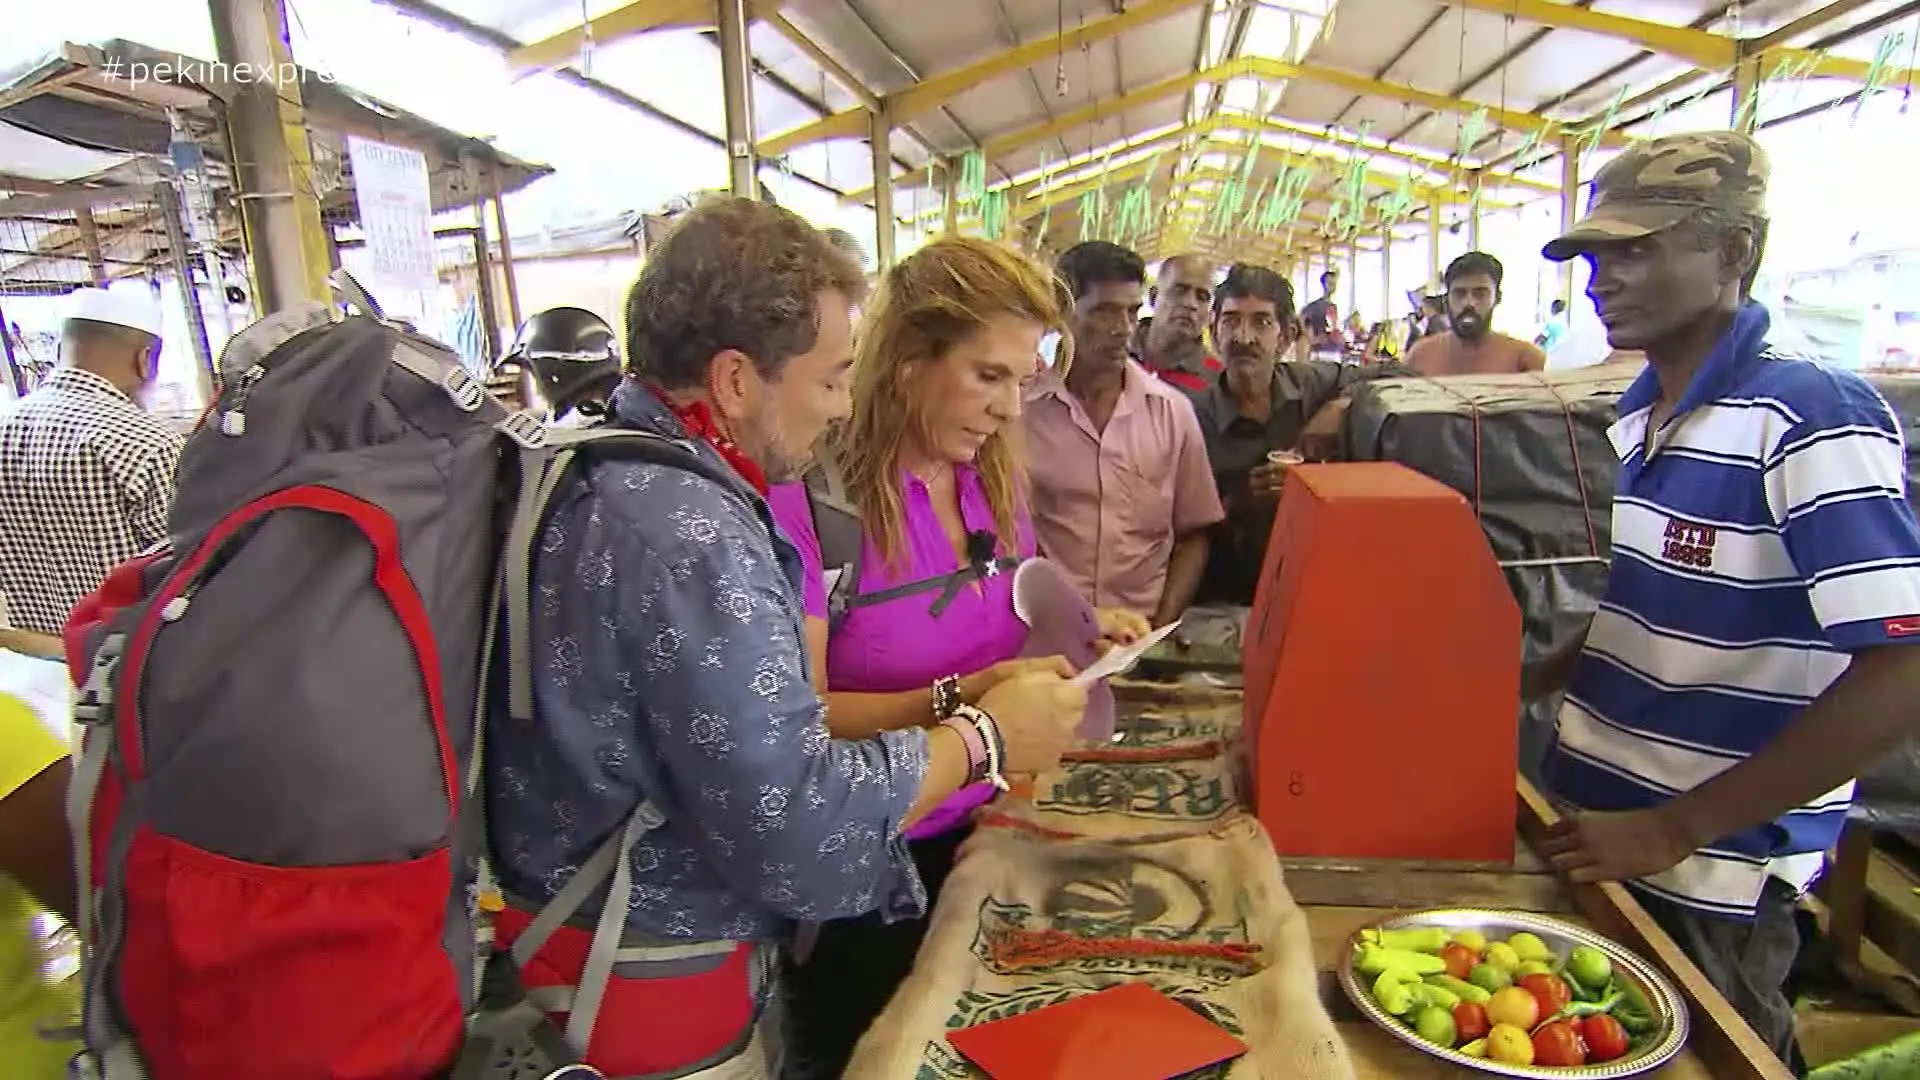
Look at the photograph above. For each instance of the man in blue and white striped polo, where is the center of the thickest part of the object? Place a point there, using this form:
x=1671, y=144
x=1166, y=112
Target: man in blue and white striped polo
x=1746, y=662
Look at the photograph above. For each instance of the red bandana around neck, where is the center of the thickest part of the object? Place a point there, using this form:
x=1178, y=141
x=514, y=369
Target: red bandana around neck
x=699, y=422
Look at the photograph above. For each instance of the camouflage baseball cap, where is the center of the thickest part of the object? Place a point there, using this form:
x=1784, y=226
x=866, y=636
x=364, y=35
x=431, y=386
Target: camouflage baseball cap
x=1657, y=184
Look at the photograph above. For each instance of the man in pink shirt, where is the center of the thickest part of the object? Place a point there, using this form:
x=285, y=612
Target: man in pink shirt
x=1122, y=493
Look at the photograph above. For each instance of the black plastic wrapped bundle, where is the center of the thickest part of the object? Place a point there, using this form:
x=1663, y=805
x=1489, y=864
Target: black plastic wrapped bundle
x=1530, y=452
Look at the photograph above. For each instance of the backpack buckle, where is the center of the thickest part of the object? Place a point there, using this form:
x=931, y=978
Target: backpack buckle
x=467, y=393
x=524, y=428
x=94, y=703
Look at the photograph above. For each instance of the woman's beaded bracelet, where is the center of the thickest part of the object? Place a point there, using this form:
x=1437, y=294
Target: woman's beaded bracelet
x=977, y=728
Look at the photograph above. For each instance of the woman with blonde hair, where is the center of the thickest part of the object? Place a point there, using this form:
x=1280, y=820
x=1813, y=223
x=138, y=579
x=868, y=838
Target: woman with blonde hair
x=910, y=617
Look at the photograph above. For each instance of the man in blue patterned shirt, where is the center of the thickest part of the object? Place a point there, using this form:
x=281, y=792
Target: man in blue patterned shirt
x=671, y=683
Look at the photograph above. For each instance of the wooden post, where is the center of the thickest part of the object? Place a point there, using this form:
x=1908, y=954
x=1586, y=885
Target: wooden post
x=1569, y=206
x=266, y=124
x=90, y=241
x=949, y=197
x=880, y=141
x=506, y=252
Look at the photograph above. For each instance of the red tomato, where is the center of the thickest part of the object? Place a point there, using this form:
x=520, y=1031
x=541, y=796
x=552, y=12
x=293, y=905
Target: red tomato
x=1470, y=1021
x=1549, y=990
x=1559, y=1043
x=1606, y=1039
x=1460, y=960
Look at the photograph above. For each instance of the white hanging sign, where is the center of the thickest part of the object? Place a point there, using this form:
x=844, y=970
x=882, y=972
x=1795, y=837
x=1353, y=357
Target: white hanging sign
x=396, y=211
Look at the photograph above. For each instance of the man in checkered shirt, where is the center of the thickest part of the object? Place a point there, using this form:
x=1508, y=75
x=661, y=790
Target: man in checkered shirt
x=86, y=475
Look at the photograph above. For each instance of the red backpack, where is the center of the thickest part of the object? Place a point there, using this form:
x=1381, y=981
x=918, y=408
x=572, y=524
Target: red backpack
x=276, y=814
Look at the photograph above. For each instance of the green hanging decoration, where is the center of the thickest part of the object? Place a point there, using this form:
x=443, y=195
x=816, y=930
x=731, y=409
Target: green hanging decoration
x=973, y=178
x=1471, y=129
x=1877, y=71
x=1270, y=217
x=1527, y=146
x=1354, y=189
x=1250, y=215
x=1089, y=215
x=1605, y=123
x=993, y=214
x=1401, y=203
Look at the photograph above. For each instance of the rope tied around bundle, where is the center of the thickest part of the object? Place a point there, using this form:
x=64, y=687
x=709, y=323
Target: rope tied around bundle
x=1573, y=449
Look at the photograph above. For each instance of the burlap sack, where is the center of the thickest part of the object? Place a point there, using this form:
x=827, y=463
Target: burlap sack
x=1027, y=920
x=1174, y=771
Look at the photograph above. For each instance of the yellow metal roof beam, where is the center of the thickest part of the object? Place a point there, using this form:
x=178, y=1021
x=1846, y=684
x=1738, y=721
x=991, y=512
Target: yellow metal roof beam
x=1698, y=47
x=637, y=17
x=1245, y=124
x=930, y=93
x=1266, y=68
x=1003, y=144
x=1701, y=48
x=808, y=47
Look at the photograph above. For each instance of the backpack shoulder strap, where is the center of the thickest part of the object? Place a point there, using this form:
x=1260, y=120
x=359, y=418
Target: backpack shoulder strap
x=836, y=524
x=542, y=470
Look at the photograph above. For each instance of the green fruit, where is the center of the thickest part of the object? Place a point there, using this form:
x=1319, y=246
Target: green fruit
x=1435, y=1025
x=1532, y=967
x=1472, y=939
x=1393, y=990
x=1502, y=955
x=1490, y=977
x=1529, y=947
x=1589, y=966
x=1465, y=991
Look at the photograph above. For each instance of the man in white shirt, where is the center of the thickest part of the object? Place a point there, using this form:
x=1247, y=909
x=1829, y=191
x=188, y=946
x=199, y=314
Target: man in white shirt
x=86, y=474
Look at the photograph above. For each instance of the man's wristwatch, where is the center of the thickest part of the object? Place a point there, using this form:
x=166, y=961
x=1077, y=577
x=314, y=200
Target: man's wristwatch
x=946, y=696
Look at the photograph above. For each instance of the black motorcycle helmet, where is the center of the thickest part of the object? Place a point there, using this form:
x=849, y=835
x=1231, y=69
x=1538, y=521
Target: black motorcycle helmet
x=571, y=357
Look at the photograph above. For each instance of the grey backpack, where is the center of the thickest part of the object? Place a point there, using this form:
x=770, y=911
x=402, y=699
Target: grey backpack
x=276, y=819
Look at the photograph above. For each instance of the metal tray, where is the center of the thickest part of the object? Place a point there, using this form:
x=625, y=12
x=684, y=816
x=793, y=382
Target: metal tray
x=1561, y=937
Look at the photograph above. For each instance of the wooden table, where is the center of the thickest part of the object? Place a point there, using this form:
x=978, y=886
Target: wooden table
x=1339, y=898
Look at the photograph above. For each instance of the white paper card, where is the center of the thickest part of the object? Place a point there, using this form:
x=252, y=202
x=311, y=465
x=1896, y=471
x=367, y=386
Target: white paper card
x=1121, y=658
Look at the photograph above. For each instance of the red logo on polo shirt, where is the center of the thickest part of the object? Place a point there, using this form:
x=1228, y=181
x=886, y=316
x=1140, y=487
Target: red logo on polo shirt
x=1690, y=545
x=1904, y=626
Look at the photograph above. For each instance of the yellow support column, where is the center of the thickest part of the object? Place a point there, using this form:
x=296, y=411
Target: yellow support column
x=1746, y=92
x=1433, y=242
x=880, y=138
x=736, y=89
x=1569, y=205
x=266, y=125
x=1386, y=272
x=950, y=198
x=1353, y=276
x=1473, y=216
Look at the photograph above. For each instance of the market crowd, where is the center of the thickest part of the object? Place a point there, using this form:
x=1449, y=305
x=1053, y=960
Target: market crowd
x=1713, y=716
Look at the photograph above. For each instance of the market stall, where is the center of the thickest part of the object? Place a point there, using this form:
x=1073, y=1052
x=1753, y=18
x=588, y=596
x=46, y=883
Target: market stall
x=1138, y=861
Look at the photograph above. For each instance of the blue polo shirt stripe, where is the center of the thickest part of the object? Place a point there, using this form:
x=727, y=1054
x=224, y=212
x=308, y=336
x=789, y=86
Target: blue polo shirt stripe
x=1766, y=538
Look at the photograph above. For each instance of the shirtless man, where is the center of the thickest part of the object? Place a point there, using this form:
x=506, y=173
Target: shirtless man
x=1472, y=346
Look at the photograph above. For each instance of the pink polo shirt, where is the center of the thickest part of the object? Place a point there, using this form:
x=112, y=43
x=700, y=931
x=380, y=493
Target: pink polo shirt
x=899, y=644
x=1108, y=505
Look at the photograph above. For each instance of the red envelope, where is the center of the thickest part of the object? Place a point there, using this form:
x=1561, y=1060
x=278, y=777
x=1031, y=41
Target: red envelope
x=1131, y=1032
